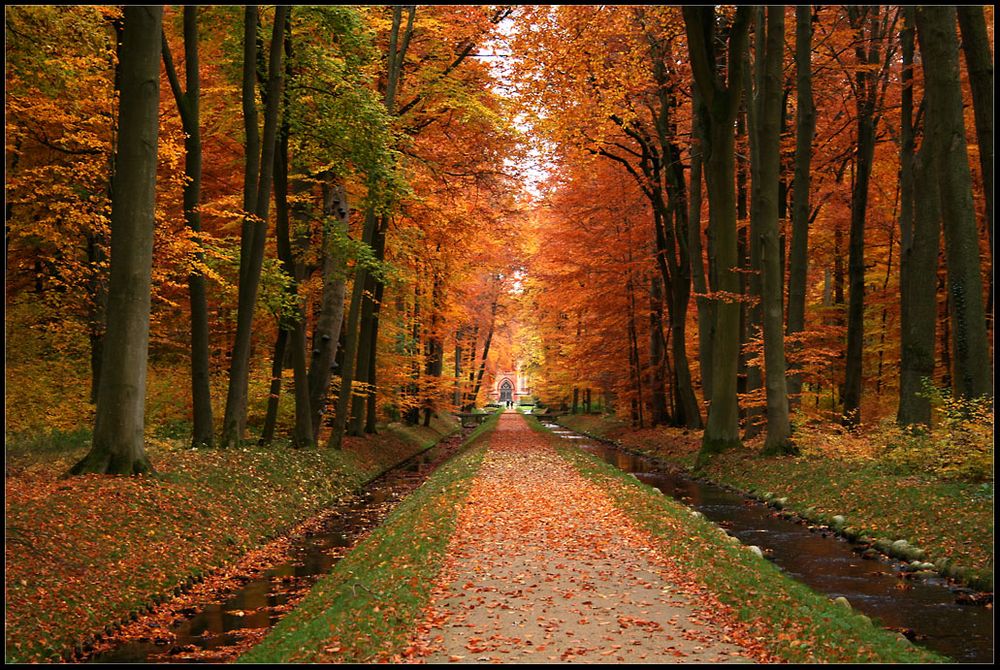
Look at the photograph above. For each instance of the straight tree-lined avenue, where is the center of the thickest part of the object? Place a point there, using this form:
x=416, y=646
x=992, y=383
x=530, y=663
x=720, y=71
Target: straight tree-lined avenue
x=259, y=256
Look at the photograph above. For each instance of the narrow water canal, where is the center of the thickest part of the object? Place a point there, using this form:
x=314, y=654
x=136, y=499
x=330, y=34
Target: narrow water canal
x=223, y=626
x=925, y=609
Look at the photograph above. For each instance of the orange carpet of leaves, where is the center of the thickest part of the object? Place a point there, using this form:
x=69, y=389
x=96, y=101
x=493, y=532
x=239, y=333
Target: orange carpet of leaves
x=544, y=568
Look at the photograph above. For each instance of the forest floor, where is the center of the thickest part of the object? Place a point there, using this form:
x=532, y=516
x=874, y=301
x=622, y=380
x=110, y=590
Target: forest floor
x=83, y=553
x=857, y=476
x=525, y=551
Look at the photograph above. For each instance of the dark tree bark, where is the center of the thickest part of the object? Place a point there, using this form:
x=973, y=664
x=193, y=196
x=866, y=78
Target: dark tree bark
x=920, y=226
x=97, y=242
x=871, y=27
x=293, y=324
x=946, y=131
x=720, y=104
x=777, y=440
x=471, y=403
x=638, y=418
x=412, y=414
x=658, y=171
x=706, y=310
x=97, y=319
x=805, y=129
x=371, y=412
x=364, y=358
x=753, y=310
x=456, y=400
x=435, y=349
x=274, y=391
x=326, y=334
x=979, y=63
x=351, y=342
x=368, y=340
x=657, y=351
x=188, y=103
x=255, y=226
x=118, y=446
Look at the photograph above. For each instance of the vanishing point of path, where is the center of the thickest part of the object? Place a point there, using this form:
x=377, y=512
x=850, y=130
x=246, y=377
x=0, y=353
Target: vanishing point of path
x=544, y=568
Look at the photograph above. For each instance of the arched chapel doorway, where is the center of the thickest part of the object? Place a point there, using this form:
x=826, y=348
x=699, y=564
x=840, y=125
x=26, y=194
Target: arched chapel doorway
x=506, y=391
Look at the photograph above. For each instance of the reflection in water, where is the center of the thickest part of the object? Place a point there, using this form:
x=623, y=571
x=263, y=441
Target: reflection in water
x=828, y=564
x=260, y=603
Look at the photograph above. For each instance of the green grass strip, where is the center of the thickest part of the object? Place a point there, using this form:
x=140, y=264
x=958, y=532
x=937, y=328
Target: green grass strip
x=371, y=601
x=794, y=622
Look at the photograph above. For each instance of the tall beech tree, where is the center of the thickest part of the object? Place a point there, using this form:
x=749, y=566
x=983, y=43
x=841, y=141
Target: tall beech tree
x=868, y=79
x=805, y=129
x=258, y=175
x=336, y=215
x=920, y=238
x=188, y=104
x=945, y=131
x=979, y=63
x=706, y=308
x=358, y=345
x=119, y=426
x=720, y=103
x=767, y=191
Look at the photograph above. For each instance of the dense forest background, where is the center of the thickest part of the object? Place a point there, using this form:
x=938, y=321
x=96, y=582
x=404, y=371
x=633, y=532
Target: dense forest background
x=749, y=220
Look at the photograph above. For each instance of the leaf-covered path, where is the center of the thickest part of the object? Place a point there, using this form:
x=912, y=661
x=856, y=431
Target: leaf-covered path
x=544, y=568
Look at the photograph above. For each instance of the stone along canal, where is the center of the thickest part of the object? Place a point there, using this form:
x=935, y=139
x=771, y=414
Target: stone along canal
x=925, y=609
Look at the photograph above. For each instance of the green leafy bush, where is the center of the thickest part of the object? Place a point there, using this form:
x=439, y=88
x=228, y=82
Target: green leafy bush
x=959, y=445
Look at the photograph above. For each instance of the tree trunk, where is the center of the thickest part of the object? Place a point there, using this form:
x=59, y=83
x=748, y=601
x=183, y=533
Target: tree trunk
x=706, y=315
x=371, y=413
x=720, y=104
x=96, y=241
x=367, y=356
x=412, y=415
x=118, y=446
x=979, y=63
x=351, y=342
x=274, y=392
x=638, y=408
x=866, y=83
x=946, y=131
x=919, y=229
x=456, y=398
x=754, y=85
x=435, y=350
x=97, y=319
x=188, y=104
x=302, y=435
x=364, y=360
x=779, y=431
x=486, y=352
x=658, y=401
x=326, y=336
x=805, y=128
x=255, y=228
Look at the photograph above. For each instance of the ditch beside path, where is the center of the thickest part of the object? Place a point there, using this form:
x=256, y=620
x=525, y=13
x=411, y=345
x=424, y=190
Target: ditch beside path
x=543, y=567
